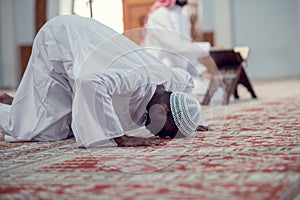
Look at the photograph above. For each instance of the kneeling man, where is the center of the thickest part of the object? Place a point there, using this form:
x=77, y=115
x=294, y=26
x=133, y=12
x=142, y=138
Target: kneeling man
x=86, y=80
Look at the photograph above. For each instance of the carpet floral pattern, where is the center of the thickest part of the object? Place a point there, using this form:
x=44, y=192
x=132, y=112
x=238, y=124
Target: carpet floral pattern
x=253, y=153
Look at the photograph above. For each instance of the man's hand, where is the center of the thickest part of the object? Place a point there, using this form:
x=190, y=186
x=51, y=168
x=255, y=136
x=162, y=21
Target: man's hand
x=5, y=98
x=131, y=141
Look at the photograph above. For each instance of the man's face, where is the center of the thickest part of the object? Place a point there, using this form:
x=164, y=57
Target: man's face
x=160, y=122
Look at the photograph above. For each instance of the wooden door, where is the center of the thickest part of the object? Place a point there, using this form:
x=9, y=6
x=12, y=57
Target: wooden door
x=134, y=12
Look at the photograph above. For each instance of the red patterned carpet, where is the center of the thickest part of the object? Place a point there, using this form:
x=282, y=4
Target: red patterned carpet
x=254, y=153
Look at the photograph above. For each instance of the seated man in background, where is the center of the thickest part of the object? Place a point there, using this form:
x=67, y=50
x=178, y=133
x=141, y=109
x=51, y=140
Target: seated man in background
x=167, y=36
x=86, y=80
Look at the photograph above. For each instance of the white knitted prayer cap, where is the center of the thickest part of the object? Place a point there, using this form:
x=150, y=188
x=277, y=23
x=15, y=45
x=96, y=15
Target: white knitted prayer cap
x=186, y=112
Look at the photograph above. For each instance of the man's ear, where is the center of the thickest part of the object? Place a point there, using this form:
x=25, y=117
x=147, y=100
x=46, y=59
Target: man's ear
x=158, y=118
x=158, y=111
x=166, y=108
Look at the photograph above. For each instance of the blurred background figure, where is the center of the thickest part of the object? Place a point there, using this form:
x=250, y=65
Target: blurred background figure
x=167, y=35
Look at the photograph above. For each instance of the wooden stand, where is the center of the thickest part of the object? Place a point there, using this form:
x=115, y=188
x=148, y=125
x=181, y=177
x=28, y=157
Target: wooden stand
x=231, y=70
x=244, y=80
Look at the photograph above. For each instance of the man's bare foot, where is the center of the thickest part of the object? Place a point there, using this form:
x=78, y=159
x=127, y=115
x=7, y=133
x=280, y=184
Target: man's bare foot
x=5, y=98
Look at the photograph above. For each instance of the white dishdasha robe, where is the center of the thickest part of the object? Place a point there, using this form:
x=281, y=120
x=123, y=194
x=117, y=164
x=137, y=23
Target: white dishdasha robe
x=85, y=79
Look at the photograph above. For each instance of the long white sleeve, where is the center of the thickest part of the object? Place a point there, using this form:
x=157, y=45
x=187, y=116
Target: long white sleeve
x=94, y=120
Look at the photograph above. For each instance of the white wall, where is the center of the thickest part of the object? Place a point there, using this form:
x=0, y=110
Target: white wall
x=17, y=27
x=207, y=15
x=65, y=7
x=270, y=28
x=24, y=21
x=52, y=8
x=222, y=19
x=9, y=50
x=217, y=17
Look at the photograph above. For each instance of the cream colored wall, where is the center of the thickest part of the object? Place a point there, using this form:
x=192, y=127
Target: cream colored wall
x=271, y=29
